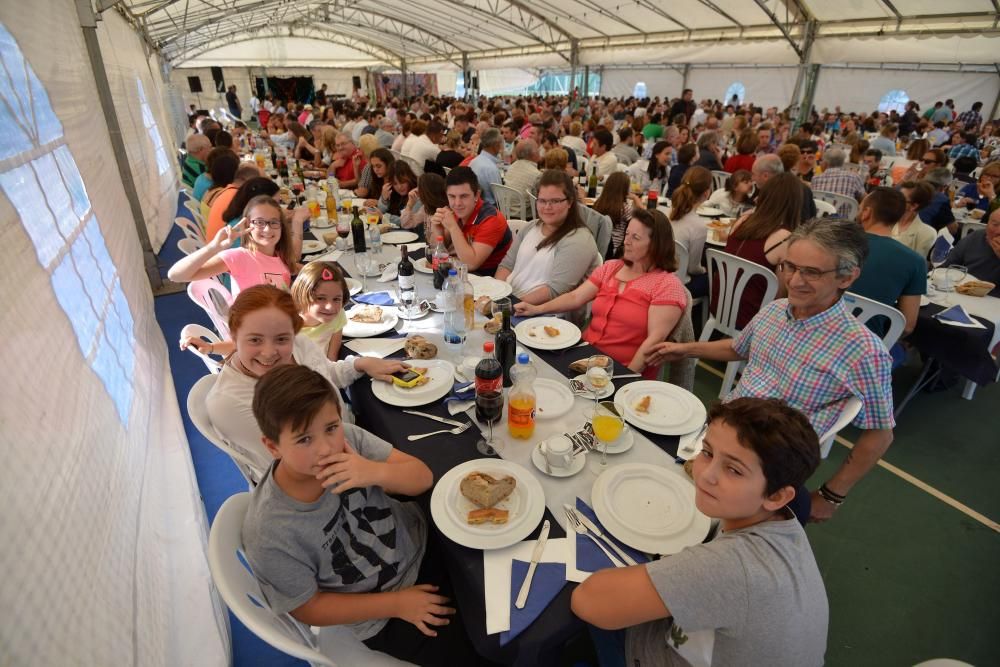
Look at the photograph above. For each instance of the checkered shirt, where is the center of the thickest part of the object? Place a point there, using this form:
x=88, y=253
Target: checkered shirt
x=842, y=182
x=964, y=150
x=970, y=119
x=816, y=365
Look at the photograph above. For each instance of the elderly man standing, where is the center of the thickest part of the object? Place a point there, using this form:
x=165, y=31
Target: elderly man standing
x=198, y=147
x=523, y=173
x=810, y=351
x=838, y=180
x=486, y=165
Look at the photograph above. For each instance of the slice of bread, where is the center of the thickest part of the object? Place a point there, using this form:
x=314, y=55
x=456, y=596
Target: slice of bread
x=485, y=490
x=489, y=514
x=367, y=314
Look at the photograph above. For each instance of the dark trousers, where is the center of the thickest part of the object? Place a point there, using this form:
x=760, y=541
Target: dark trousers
x=401, y=639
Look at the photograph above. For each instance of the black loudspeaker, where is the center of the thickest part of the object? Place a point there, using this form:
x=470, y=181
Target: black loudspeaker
x=356, y=82
x=475, y=83
x=220, y=83
x=194, y=83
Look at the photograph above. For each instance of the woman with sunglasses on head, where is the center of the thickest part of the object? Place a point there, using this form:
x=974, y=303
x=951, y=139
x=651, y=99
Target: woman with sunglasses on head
x=270, y=246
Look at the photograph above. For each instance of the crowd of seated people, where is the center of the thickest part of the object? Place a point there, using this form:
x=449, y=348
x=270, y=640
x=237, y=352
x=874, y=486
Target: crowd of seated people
x=276, y=396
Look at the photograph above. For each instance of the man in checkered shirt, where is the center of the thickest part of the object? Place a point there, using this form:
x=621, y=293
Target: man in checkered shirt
x=971, y=119
x=810, y=351
x=838, y=180
x=965, y=149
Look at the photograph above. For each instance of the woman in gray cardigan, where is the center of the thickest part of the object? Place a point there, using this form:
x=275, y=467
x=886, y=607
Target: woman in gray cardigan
x=555, y=253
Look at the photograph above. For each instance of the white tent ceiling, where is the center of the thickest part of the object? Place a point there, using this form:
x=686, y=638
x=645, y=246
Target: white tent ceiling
x=541, y=33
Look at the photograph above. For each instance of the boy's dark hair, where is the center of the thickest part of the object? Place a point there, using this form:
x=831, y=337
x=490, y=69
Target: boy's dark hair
x=290, y=396
x=888, y=204
x=780, y=436
x=463, y=175
x=604, y=138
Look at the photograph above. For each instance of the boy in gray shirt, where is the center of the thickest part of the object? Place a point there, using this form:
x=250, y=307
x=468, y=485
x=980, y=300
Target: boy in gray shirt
x=751, y=596
x=323, y=538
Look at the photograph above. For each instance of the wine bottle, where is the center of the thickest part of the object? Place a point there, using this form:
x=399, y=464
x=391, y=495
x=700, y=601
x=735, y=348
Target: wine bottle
x=506, y=347
x=358, y=231
x=592, y=185
x=407, y=281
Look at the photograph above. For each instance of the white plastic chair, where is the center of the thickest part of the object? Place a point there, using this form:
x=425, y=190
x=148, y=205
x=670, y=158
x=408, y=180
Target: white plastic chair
x=417, y=168
x=850, y=410
x=396, y=154
x=622, y=168
x=240, y=591
x=719, y=179
x=198, y=331
x=215, y=300
x=683, y=260
x=824, y=209
x=733, y=275
x=532, y=204
x=969, y=226
x=865, y=309
x=190, y=228
x=197, y=407
x=599, y=225
x=847, y=207
x=517, y=225
x=510, y=201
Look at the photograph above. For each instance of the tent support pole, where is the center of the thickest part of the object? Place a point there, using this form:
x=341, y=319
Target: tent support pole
x=586, y=81
x=466, y=75
x=803, y=76
x=88, y=24
x=996, y=103
x=574, y=62
x=684, y=76
x=406, y=84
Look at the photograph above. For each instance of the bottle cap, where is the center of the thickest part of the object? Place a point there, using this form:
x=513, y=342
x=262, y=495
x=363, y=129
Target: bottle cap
x=488, y=346
x=452, y=272
x=440, y=238
x=522, y=358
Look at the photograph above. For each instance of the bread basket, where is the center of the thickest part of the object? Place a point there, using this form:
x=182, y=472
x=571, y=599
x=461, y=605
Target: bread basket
x=975, y=288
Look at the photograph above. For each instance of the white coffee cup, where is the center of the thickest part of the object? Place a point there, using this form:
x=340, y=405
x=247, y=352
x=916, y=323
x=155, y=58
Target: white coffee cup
x=558, y=451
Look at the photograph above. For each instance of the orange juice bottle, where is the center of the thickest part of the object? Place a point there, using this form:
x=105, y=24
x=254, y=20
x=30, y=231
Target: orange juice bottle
x=521, y=403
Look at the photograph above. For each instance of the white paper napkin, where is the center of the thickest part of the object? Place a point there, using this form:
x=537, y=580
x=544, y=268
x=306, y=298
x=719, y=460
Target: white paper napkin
x=496, y=573
x=390, y=273
x=455, y=407
x=332, y=255
x=375, y=347
x=410, y=247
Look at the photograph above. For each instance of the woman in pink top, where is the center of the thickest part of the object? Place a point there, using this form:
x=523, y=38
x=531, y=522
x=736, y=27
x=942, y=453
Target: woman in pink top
x=270, y=244
x=637, y=299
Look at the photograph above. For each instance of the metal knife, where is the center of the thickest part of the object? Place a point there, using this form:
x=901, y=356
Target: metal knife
x=536, y=555
x=592, y=527
x=450, y=422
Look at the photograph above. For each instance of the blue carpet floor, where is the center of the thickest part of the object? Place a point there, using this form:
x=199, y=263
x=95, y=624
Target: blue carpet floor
x=217, y=476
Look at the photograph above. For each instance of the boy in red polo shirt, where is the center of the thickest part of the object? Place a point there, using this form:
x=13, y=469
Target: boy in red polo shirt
x=476, y=230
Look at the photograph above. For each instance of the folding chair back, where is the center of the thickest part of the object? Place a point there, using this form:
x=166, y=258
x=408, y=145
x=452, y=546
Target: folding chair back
x=215, y=300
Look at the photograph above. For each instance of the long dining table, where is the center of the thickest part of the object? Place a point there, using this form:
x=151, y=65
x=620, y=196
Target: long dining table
x=543, y=641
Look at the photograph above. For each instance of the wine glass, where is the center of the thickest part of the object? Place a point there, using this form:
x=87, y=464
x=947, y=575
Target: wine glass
x=954, y=275
x=365, y=262
x=608, y=426
x=489, y=408
x=597, y=376
x=939, y=253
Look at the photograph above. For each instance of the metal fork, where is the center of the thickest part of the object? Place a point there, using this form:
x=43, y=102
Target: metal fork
x=454, y=431
x=580, y=529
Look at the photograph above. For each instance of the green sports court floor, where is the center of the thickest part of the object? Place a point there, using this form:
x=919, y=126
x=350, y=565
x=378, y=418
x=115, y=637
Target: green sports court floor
x=912, y=561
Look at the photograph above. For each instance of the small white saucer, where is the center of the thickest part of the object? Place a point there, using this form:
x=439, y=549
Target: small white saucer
x=607, y=391
x=622, y=444
x=579, y=462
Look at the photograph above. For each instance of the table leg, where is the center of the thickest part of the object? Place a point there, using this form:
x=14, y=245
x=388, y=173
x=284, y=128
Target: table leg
x=924, y=379
x=969, y=390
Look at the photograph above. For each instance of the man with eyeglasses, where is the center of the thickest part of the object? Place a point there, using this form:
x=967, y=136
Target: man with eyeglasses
x=810, y=351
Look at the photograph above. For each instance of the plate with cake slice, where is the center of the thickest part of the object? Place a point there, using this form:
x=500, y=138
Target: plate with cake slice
x=487, y=503
x=364, y=321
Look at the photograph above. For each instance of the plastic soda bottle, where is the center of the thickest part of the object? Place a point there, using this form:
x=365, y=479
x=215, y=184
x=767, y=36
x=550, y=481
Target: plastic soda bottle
x=521, y=405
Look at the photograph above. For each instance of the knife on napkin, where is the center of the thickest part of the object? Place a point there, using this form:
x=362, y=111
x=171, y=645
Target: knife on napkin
x=536, y=555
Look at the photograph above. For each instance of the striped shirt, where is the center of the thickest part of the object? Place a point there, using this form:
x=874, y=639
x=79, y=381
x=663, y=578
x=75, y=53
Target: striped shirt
x=964, y=150
x=842, y=182
x=970, y=119
x=816, y=364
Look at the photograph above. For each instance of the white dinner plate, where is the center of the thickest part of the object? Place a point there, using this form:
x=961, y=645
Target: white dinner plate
x=441, y=375
x=672, y=410
x=491, y=287
x=649, y=508
x=321, y=222
x=310, y=247
x=398, y=237
x=363, y=329
x=422, y=266
x=710, y=212
x=449, y=508
x=604, y=393
x=530, y=332
x=552, y=398
x=579, y=461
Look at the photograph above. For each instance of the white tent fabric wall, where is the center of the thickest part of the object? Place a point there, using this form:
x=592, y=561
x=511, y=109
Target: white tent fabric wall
x=102, y=542
x=765, y=86
x=861, y=89
x=156, y=176
x=659, y=82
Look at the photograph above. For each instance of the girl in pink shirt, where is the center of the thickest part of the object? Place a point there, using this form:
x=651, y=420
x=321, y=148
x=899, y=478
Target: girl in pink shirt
x=637, y=299
x=270, y=244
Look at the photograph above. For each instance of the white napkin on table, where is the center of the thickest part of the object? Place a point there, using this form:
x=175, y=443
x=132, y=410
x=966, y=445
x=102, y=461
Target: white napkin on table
x=391, y=273
x=332, y=255
x=375, y=347
x=410, y=247
x=496, y=575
